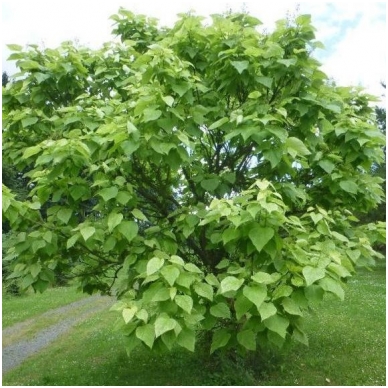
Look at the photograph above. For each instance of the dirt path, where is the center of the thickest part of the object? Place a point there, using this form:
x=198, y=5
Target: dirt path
x=15, y=353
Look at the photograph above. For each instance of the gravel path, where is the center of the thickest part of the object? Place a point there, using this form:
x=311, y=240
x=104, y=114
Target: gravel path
x=15, y=354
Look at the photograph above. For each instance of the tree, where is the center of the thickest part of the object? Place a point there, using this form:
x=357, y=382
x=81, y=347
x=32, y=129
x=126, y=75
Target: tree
x=205, y=175
x=4, y=79
x=379, y=213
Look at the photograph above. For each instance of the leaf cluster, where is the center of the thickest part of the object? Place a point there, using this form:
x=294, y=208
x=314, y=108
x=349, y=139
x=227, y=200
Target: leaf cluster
x=206, y=175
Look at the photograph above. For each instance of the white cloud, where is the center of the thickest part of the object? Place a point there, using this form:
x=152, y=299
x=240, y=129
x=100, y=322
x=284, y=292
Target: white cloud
x=355, y=38
x=359, y=58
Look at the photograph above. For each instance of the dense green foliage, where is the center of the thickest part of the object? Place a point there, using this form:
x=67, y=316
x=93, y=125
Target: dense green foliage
x=205, y=175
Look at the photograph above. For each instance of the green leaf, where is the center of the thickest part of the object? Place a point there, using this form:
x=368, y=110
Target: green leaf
x=312, y=274
x=224, y=263
x=353, y=254
x=349, y=187
x=151, y=114
x=34, y=205
x=332, y=286
x=31, y=151
x=168, y=100
x=14, y=47
x=204, y=290
x=303, y=20
x=254, y=95
x=247, y=338
x=220, y=310
x=185, y=302
x=316, y=217
x=123, y=197
x=273, y=50
x=163, y=324
x=220, y=339
x=333, y=107
x=154, y=265
x=170, y=273
x=87, y=232
x=230, y=283
x=229, y=177
x=129, y=147
x=274, y=156
x=295, y=147
x=260, y=236
x=262, y=278
x=128, y=229
x=339, y=237
x=78, y=192
x=323, y=228
x=146, y=333
x=48, y=236
x=266, y=81
x=129, y=313
x=291, y=307
x=242, y=305
x=181, y=89
x=277, y=324
x=41, y=285
x=162, y=148
x=35, y=269
x=186, y=339
x=219, y=122
x=143, y=315
x=29, y=121
x=210, y=184
x=64, y=215
x=326, y=165
x=108, y=193
x=177, y=260
x=38, y=244
x=114, y=219
x=230, y=234
x=71, y=241
x=186, y=279
x=279, y=132
x=240, y=66
x=212, y=280
x=256, y=294
x=267, y=310
x=139, y=215
x=192, y=268
x=131, y=128
x=287, y=62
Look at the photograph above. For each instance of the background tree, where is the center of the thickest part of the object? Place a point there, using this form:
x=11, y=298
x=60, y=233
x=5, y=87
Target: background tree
x=4, y=79
x=379, y=213
x=205, y=175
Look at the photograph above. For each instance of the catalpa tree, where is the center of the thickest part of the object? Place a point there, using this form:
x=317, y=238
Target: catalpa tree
x=205, y=175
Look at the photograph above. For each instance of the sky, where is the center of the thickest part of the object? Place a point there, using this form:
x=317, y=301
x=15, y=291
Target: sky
x=354, y=32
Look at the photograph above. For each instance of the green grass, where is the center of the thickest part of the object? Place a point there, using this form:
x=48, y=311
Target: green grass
x=19, y=308
x=347, y=347
x=347, y=339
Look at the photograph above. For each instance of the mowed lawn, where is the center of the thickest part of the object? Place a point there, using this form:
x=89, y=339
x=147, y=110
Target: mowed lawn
x=18, y=309
x=347, y=347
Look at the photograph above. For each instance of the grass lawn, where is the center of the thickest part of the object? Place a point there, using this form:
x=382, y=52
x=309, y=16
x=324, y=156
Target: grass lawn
x=19, y=308
x=347, y=347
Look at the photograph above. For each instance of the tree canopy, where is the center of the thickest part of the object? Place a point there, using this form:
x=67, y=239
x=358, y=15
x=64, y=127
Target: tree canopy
x=206, y=174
